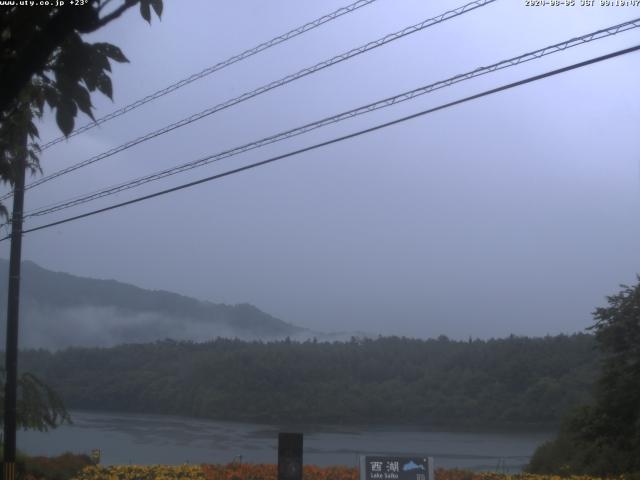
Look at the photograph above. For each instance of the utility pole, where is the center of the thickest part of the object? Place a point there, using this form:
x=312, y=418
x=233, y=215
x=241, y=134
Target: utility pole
x=13, y=304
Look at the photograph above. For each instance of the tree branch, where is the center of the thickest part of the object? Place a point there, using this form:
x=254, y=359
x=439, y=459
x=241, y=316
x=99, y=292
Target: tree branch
x=117, y=12
x=33, y=56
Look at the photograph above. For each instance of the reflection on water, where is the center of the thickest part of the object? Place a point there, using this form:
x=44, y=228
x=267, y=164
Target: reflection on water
x=153, y=439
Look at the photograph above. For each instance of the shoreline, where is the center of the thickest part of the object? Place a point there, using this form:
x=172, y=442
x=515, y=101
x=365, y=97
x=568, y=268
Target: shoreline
x=314, y=427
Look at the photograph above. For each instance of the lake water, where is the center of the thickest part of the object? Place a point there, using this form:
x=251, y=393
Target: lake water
x=157, y=439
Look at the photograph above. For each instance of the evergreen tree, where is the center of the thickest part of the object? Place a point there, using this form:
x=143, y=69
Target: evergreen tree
x=604, y=438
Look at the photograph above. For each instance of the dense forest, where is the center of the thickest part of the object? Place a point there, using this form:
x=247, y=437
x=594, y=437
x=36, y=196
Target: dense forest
x=494, y=383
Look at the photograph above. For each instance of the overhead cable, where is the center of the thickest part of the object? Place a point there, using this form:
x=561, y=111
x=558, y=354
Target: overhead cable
x=558, y=47
x=265, y=88
x=214, y=68
x=340, y=139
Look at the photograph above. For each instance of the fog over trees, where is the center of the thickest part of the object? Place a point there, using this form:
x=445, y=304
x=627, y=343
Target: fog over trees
x=515, y=381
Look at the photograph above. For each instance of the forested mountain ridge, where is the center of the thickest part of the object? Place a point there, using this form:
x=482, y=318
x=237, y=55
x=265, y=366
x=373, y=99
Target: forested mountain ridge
x=505, y=382
x=60, y=310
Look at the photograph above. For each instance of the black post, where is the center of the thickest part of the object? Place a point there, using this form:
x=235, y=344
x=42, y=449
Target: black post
x=11, y=361
x=289, y=456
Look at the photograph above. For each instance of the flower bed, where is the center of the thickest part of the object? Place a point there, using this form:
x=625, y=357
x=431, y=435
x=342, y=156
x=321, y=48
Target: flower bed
x=269, y=472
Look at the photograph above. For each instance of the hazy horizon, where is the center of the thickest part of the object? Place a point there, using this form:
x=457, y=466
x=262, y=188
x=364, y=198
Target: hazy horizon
x=44, y=325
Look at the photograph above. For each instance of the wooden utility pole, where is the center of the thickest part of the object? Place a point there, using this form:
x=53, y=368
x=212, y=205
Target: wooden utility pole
x=13, y=305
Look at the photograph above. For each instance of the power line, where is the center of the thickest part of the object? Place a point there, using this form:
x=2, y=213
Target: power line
x=558, y=47
x=214, y=68
x=342, y=138
x=270, y=86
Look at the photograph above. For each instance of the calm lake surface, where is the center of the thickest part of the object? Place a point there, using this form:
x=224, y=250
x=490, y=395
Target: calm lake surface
x=157, y=439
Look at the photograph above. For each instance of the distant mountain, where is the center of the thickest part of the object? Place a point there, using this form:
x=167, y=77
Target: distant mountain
x=60, y=310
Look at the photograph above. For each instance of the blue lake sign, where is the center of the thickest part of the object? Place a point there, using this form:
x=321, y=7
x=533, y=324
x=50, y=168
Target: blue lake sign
x=387, y=467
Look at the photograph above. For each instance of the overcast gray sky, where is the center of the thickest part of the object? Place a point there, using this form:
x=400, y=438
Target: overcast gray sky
x=516, y=213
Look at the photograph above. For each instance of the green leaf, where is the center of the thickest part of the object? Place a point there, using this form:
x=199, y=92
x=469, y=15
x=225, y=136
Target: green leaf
x=32, y=130
x=100, y=60
x=111, y=51
x=73, y=56
x=34, y=157
x=39, y=407
x=157, y=7
x=90, y=78
x=104, y=85
x=51, y=96
x=145, y=11
x=83, y=100
x=39, y=100
x=65, y=116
